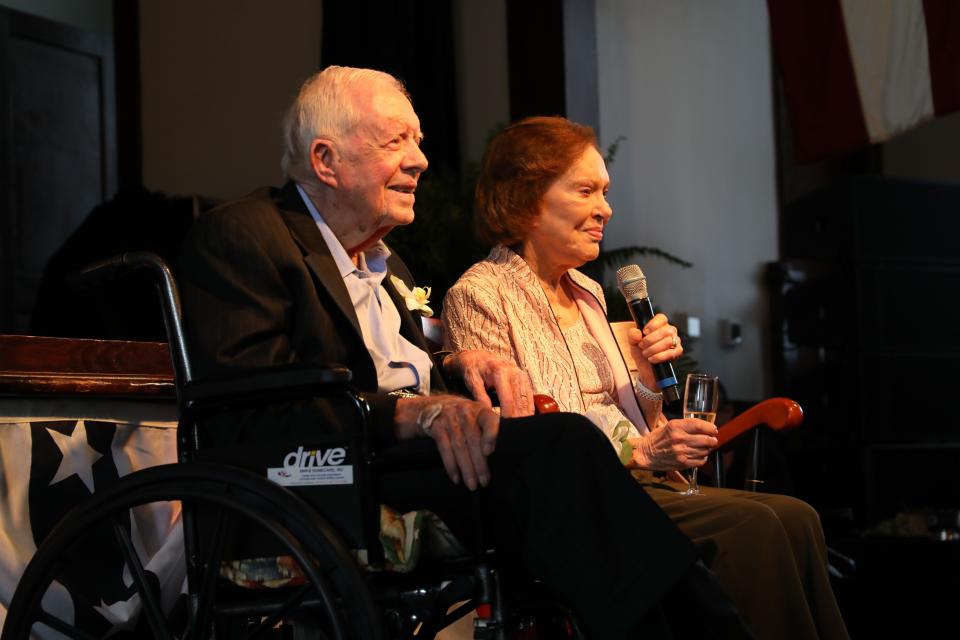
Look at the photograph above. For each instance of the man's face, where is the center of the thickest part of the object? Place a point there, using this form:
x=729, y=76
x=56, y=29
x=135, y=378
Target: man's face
x=378, y=166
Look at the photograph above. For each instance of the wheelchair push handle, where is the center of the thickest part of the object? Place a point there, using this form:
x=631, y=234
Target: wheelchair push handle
x=101, y=272
x=105, y=271
x=113, y=268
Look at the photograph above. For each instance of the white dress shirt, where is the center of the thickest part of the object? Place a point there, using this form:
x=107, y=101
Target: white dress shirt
x=399, y=363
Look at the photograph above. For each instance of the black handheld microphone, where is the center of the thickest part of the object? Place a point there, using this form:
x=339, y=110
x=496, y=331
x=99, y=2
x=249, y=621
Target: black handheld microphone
x=633, y=285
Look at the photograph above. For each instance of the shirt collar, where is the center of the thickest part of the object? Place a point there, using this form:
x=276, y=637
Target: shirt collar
x=373, y=259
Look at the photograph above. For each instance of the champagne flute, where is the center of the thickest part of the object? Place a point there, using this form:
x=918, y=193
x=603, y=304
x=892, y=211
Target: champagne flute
x=700, y=397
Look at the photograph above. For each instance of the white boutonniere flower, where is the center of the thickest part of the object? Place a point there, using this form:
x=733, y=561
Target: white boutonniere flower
x=417, y=299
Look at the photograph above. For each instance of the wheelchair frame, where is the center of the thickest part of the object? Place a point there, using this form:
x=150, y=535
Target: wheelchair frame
x=348, y=599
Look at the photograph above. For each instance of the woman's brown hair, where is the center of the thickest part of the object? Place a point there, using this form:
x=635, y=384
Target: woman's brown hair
x=518, y=167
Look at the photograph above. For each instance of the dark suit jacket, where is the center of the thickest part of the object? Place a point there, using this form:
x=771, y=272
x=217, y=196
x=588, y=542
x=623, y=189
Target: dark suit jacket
x=261, y=288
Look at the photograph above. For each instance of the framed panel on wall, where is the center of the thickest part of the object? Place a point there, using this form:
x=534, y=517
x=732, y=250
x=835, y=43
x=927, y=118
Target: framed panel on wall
x=58, y=142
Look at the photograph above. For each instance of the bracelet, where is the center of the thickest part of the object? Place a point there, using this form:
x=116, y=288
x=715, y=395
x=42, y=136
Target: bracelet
x=644, y=393
x=427, y=415
x=403, y=393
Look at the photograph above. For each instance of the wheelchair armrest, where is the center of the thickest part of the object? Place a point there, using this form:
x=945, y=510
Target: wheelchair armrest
x=266, y=384
x=780, y=414
x=544, y=404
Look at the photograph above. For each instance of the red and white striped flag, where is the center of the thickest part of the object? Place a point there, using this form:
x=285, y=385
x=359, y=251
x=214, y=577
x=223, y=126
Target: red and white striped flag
x=858, y=72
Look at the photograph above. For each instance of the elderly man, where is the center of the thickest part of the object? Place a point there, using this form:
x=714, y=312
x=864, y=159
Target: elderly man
x=301, y=274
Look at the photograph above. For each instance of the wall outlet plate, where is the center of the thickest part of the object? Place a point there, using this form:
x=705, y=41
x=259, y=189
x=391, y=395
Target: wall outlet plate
x=731, y=332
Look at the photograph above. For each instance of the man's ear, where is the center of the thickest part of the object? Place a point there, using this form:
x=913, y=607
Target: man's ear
x=322, y=156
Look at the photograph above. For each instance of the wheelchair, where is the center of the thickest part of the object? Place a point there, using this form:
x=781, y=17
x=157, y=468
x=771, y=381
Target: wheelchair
x=320, y=534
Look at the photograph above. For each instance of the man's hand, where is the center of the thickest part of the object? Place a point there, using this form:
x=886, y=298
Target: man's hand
x=465, y=432
x=481, y=370
x=677, y=444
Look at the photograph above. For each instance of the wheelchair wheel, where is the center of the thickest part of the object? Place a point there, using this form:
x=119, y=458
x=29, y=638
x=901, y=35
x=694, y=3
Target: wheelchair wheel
x=228, y=507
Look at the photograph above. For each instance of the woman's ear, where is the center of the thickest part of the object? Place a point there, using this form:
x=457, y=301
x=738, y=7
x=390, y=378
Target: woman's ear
x=322, y=156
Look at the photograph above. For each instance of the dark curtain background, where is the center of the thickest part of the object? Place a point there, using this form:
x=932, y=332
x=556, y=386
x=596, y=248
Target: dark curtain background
x=413, y=40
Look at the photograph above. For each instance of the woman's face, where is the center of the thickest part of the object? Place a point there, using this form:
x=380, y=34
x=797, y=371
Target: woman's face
x=573, y=214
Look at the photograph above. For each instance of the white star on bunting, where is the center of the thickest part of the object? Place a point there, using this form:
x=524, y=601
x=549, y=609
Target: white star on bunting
x=78, y=455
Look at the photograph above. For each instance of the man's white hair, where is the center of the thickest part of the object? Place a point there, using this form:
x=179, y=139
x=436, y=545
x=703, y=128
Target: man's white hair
x=324, y=108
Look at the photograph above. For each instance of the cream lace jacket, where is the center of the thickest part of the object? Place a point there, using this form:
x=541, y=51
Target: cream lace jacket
x=498, y=305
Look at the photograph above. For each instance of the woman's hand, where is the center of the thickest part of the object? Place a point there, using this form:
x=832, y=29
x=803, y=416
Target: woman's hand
x=677, y=444
x=659, y=341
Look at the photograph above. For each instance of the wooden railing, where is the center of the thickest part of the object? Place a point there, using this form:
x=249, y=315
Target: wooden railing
x=41, y=366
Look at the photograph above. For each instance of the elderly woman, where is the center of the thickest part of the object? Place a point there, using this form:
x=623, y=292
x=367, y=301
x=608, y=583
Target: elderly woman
x=541, y=203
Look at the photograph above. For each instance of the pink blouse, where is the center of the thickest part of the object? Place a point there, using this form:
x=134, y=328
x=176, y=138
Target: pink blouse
x=498, y=305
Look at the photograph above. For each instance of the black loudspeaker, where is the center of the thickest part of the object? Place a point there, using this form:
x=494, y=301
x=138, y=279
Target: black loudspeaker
x=866, y=337
x=876, y=218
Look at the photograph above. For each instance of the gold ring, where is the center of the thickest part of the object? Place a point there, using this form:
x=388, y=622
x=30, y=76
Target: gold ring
x=676, y=342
